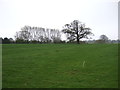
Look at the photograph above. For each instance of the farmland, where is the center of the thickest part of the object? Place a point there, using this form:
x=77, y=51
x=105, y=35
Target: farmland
x=60, y=66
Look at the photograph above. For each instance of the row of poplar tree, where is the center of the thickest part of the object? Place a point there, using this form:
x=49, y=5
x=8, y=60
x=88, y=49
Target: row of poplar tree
x=38, y=34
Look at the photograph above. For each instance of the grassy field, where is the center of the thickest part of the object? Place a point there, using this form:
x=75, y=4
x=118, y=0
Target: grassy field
x=60, y=66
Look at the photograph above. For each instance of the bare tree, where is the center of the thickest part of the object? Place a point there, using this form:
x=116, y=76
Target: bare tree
x=104, y=38
x=39, y=34
x=55, y=35
x=76, y=31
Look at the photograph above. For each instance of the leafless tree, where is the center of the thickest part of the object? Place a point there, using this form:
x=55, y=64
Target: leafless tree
x=40, y=34
x=76, y=31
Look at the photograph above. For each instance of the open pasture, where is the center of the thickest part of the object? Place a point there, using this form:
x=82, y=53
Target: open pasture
x=60, y=66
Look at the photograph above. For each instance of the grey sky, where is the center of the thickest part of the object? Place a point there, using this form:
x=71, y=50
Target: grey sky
x=100, y=15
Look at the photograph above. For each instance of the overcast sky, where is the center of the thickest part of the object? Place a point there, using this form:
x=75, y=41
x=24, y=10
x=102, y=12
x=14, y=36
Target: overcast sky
x=100, y=15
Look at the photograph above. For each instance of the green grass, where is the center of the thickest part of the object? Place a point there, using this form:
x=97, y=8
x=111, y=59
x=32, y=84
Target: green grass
x=60, y=66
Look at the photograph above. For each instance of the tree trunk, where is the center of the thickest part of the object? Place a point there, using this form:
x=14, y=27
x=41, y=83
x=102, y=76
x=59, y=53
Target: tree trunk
x=78, y=40
x=77, y=33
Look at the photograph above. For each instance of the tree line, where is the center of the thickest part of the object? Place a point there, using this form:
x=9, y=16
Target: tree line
x=102, y=39
x=30, y=34
x=74, y=32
